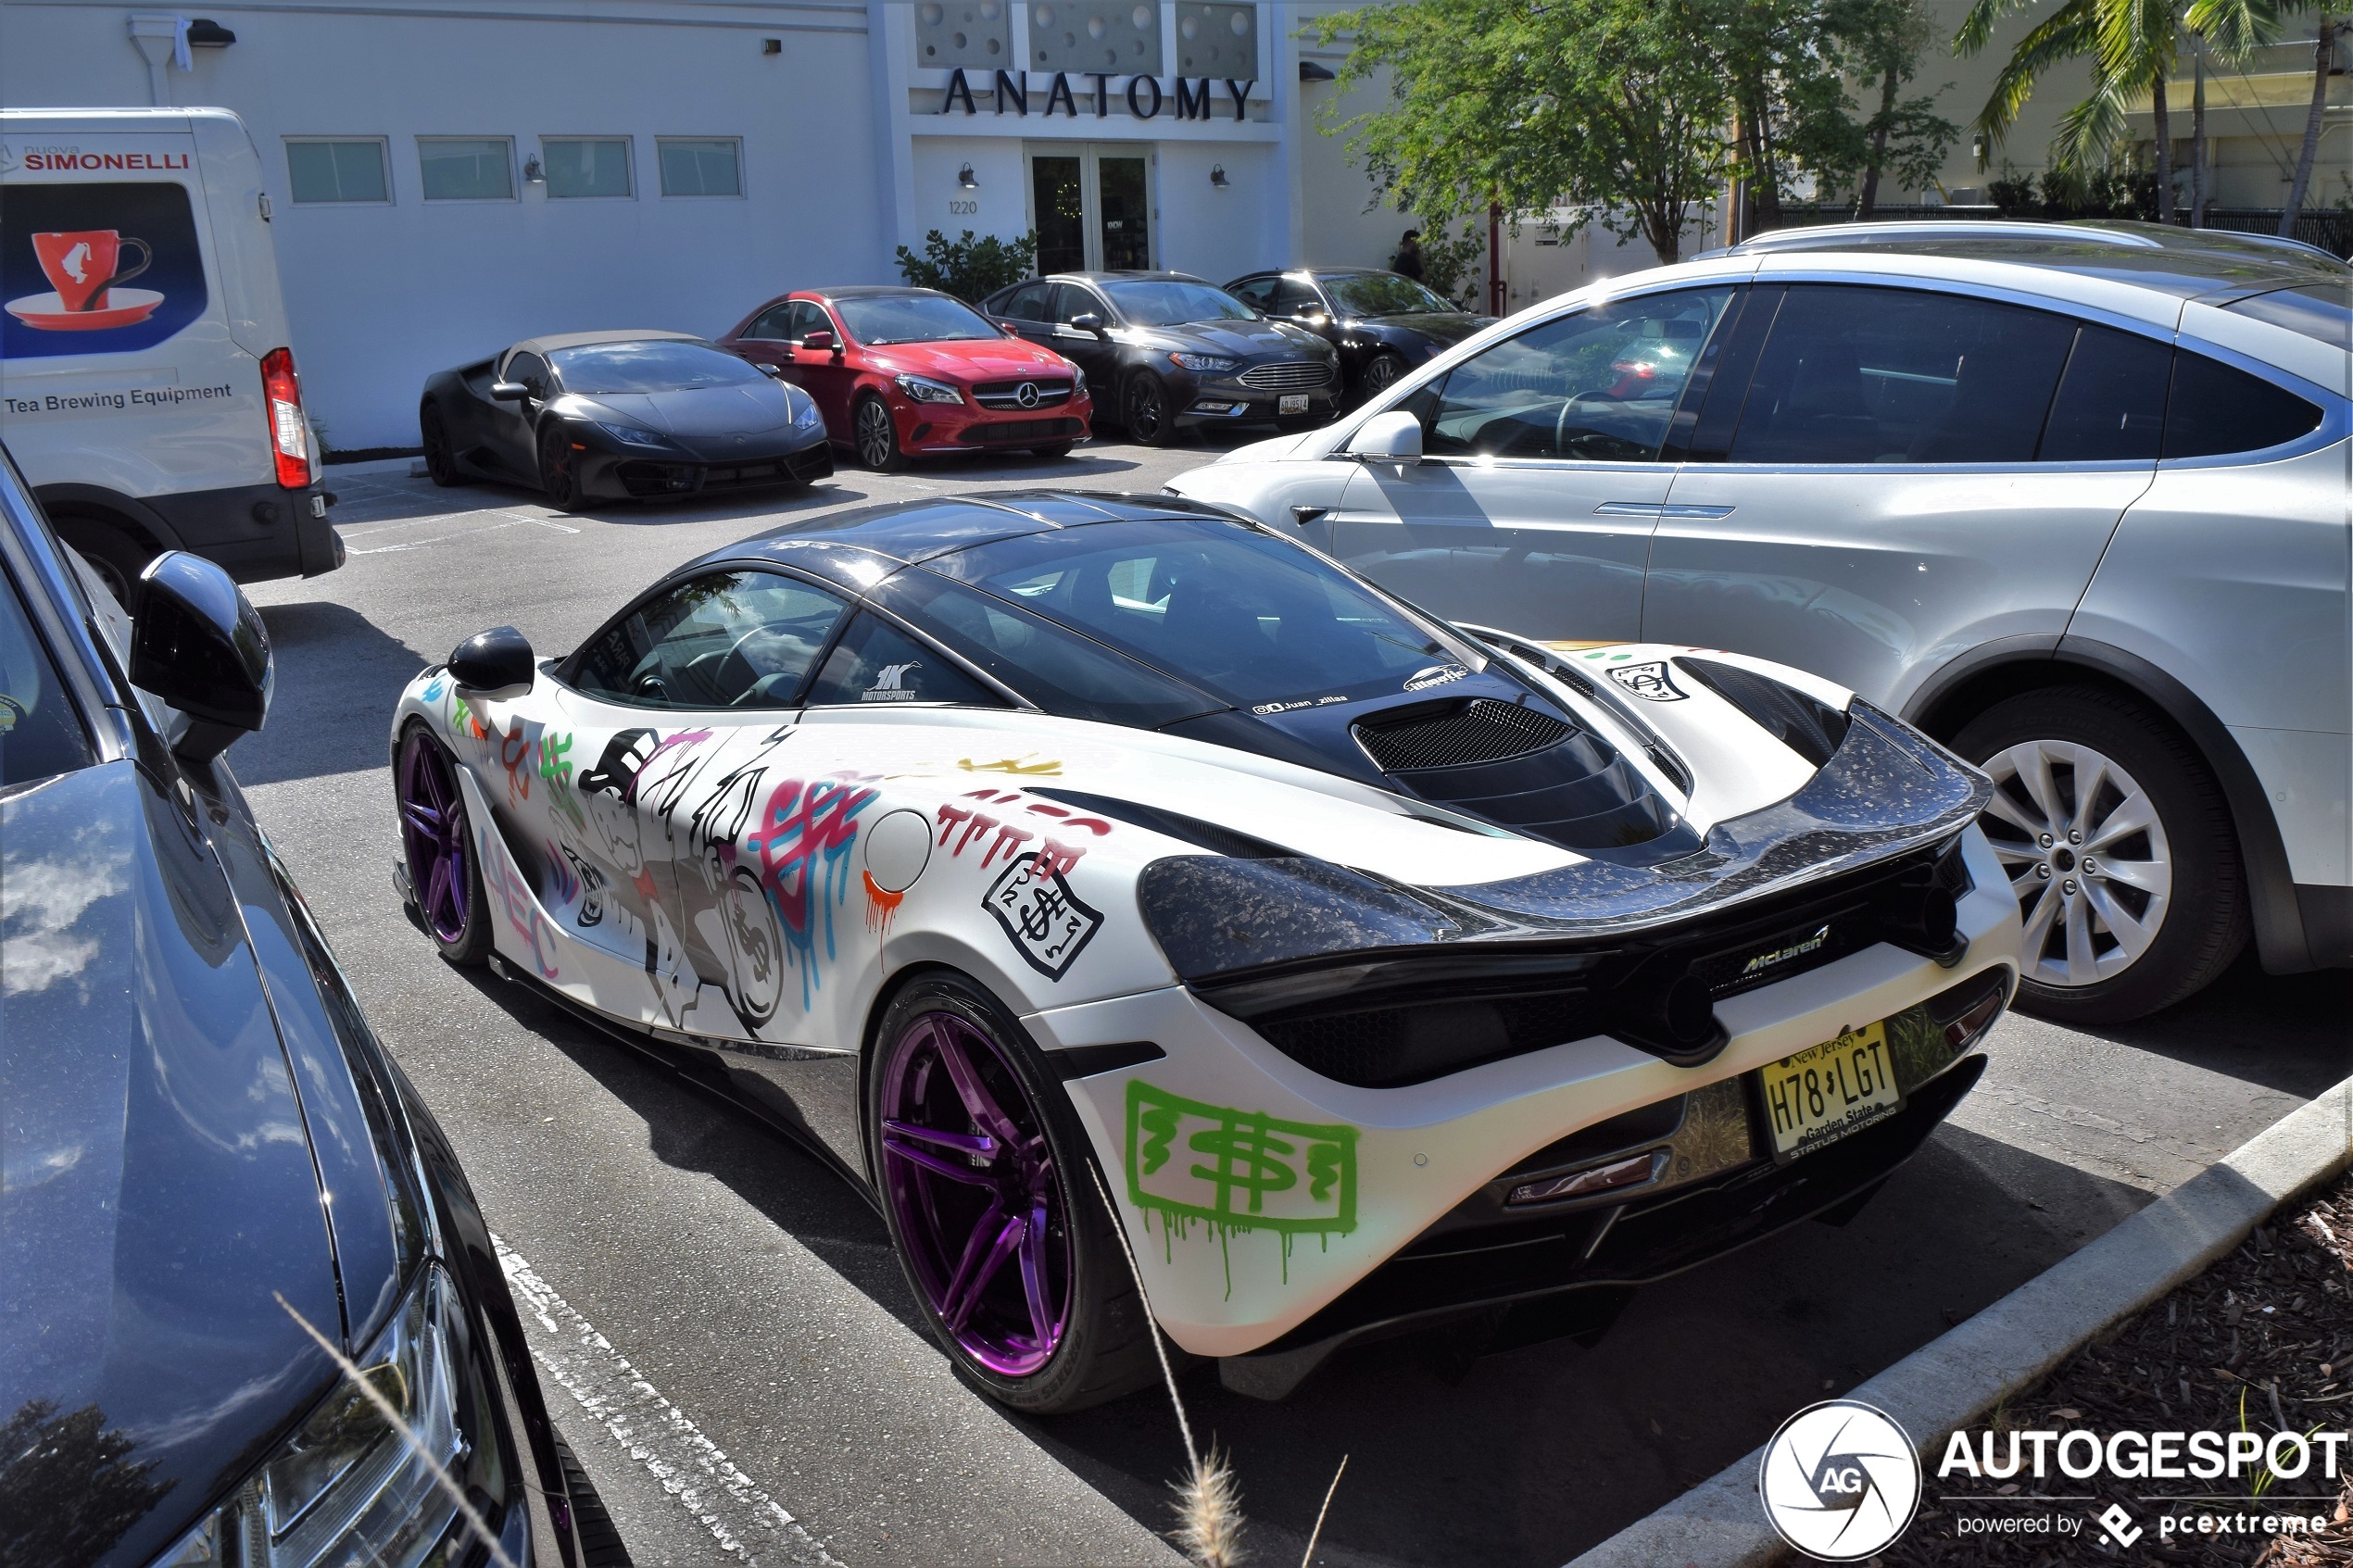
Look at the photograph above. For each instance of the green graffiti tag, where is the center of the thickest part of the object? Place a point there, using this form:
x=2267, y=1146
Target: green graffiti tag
x=1256, y=1172
x=555, y=767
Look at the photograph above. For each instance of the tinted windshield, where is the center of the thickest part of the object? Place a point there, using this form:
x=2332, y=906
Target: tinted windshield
x=660, y=366
x=1217, y=605
x=912, y=317
x=1160, y=303
x=1383, y=294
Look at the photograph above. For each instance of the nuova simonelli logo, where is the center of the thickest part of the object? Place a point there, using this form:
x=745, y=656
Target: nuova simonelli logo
x=1840, y=1481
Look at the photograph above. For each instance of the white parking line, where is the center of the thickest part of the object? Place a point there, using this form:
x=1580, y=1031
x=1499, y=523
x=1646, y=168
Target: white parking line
x=749, y=1525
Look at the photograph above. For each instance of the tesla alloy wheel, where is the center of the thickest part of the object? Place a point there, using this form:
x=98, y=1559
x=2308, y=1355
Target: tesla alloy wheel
x=997, y=1223
x=559, y=469
x=439, y=851
x=877, y=435
x=2119, y=848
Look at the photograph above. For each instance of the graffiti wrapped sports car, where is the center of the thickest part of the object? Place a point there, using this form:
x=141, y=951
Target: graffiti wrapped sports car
x=1390, y=972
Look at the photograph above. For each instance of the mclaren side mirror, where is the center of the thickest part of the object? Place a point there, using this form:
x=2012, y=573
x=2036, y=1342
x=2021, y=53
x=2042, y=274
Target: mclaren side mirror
x=197, y=643
x=508, y=391
x=496, y=661
x=768, y=369
x=822, y=342
x=1087, y=321
x=1393, y=437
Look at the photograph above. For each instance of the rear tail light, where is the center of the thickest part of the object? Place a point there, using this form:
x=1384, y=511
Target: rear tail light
x=289, y=438
x=1971, y=1008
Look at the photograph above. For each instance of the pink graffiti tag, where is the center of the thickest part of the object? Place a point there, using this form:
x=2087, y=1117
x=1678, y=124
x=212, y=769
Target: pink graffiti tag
x=805, y=835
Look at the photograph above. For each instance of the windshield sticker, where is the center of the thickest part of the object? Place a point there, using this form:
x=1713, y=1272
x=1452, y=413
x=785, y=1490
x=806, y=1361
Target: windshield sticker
x=1045, y=919
x=890, y=684
x=1436, y=675
x=1649, y=682
x=1263, y=708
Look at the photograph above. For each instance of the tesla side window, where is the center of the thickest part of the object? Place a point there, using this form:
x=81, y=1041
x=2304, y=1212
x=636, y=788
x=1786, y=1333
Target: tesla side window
x=40, y=733
x=1600, y=385
x=876, y=664
x=877, y=320
x=2216, y=408
x=531, y=370
x=1875, y=375
x=658, y=365
x=733, y=639
x=2111, y=401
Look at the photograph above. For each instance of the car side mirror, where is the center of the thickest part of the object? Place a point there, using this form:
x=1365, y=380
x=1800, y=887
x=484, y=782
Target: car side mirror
x=197, y=643
x=824, y=343
x=1087, y=321
x=496, y=661
x=768, y=369
x=508, y=391
x=1393, y=437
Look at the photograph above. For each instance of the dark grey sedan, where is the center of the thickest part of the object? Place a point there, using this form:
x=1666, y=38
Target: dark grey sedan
x=1167, y=352
x=589, y=416
x=1383, y=324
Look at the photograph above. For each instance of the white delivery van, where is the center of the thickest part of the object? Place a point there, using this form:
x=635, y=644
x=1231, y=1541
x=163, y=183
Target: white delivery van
x=147, y=381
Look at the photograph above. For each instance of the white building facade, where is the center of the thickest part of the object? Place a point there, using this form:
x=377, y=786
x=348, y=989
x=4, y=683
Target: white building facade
x=448, y=177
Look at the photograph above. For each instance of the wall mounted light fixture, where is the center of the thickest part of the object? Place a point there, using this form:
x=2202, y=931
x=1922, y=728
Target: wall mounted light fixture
x=966, y=178
x=1217, y=176
x=533, y=174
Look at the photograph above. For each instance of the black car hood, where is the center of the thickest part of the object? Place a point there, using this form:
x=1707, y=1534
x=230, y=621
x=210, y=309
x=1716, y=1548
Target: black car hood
x=157, y=1183
x=1444, y=327
x=1240, y=339
x=701, y=411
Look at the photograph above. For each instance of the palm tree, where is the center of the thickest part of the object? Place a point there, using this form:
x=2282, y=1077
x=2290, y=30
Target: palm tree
x=2323, y=56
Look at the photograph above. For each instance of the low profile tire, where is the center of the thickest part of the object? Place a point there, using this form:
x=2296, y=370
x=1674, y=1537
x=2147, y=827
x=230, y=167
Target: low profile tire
x=441, y=463
x=981, y=1166
x=443, y=874
x=1144, y=409
x=2118, y=845
x=592, y=1527
x=875, y=435
x=116, y=554
x=1379, y=375
x=1058, y=449
x=559, y=469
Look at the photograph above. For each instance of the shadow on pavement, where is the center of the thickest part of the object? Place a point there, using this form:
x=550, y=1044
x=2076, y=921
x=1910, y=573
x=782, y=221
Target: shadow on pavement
x=332, y=663
x=2287, y=1032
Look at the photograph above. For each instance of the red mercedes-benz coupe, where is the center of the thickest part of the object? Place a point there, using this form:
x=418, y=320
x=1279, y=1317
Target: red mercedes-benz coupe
x=902, y=372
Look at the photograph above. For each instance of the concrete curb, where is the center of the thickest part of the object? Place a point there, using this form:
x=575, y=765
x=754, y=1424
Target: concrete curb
x=2013, y=1343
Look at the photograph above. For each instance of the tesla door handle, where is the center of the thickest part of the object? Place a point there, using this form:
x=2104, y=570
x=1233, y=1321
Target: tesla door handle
x=1626, y=509
x=1704, y=513
x=1305, y=515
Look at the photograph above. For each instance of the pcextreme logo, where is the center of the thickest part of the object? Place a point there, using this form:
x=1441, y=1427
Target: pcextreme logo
x=1840, y=1481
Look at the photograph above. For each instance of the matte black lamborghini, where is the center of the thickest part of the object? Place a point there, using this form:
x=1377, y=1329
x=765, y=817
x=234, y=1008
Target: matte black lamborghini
x=589, y=416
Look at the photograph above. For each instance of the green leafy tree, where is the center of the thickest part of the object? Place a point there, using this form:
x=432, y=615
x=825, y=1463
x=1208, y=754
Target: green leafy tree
x=1616, y=107
x=1906, y=137
x=1451, y=261
x=971, y=268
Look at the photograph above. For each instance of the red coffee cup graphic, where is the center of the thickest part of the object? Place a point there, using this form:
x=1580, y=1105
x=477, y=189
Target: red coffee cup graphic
x=82, y=263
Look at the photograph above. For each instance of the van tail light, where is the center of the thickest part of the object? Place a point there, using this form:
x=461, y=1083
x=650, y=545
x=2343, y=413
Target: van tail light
x=289, y=440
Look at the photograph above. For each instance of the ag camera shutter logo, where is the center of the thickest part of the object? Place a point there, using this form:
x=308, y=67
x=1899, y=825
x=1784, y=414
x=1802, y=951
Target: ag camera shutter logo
x=1840, y=1481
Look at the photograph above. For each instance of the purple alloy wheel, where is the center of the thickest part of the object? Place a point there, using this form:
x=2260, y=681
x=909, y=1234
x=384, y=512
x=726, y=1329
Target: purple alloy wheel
x=970, y=1179
x=433, y=830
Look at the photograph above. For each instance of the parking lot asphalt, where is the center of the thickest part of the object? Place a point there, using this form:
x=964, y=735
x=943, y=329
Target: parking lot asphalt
x=728, y=1343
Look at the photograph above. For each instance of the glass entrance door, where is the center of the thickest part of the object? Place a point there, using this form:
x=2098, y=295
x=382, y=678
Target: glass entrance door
x=1091, y=206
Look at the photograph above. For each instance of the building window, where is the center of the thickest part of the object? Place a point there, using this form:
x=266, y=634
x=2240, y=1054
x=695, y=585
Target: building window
x=341, y=168
x=701, y=166
x=587, y=166
x=467, y=169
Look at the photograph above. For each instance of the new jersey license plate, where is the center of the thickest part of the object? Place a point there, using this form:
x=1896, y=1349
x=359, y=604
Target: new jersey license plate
x=1826, y=1091
x=1292, y=403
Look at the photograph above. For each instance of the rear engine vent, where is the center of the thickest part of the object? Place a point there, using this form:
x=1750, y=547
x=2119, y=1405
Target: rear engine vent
x=1388, y=1048
x=1483, y=731
x=1806, y=725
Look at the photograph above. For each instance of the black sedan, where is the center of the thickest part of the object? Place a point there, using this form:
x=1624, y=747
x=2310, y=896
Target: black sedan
x=589, y=416
x=1166, y=352
x=185, y=1080
x=1382, y=324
